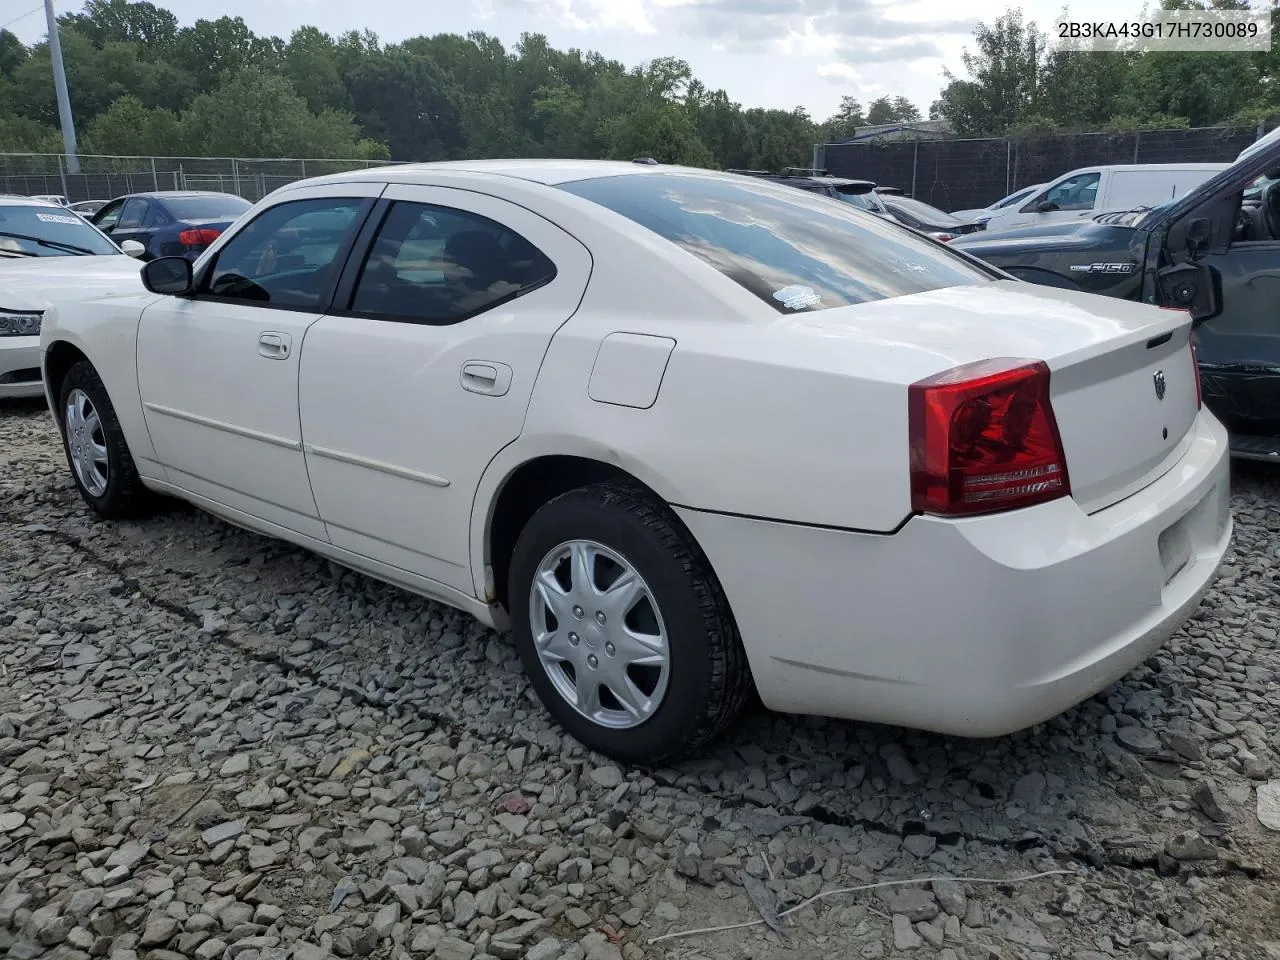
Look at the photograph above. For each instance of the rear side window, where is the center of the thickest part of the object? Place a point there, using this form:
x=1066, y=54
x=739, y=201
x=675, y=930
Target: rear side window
x=795, y=253
x=440, y=265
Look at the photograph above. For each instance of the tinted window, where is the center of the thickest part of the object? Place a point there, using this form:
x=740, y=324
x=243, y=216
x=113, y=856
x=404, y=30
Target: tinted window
x=135, y=212
x=1075, y=193
x=923, y=212
x=284, y=257
x=42, y=231
x=440, y=265
x=226, y=207
x=109, y=216
x=862, y=197
x=793, y=252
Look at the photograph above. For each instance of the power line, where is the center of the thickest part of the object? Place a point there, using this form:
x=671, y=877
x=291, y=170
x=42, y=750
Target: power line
x=22, y=16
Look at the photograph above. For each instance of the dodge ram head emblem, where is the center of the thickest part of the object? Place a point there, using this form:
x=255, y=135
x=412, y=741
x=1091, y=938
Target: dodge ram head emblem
x=1160, y=384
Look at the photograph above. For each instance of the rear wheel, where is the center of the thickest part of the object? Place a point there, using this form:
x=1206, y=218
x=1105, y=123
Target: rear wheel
x=101, y=465
x=622, y=627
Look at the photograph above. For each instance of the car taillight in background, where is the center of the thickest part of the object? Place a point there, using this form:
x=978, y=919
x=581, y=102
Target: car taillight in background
x=198, y=238
x=944, y=237
x=984, y=439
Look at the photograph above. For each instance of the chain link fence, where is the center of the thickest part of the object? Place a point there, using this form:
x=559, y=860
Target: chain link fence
x=964, y=174
x=104, y=177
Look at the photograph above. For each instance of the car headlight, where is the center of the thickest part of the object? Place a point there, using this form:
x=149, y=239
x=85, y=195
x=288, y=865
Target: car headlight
x=18, y=323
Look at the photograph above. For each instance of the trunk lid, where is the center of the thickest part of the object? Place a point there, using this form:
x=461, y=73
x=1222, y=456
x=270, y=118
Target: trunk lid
x=1121, y=377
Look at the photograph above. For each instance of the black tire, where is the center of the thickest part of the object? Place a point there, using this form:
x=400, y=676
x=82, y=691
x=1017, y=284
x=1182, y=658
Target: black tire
x=709, y=679
x=124, y=496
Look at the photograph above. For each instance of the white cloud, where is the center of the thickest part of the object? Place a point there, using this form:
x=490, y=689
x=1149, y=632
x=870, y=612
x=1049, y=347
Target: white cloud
x=839, y=73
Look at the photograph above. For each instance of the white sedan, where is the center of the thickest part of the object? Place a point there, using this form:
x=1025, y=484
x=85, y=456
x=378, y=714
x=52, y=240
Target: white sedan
x=48, y=253
x=685, y=433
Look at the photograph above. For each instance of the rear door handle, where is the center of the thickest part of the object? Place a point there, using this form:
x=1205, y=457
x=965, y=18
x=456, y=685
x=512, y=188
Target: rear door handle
x=274, y=346
x=487, y=377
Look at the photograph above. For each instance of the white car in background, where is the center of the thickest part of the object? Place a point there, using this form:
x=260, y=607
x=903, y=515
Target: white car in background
x=983, y=214
x=685, y=433
x=48, y=253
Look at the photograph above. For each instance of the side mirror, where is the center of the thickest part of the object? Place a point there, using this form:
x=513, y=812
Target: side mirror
x=1191, y=287
x=168, y=275
x=1198, y=236
x=132, y=248
x=1046, y=206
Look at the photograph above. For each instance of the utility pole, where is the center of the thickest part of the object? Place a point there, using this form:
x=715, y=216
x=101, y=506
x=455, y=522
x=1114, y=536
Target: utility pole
x=60, y=84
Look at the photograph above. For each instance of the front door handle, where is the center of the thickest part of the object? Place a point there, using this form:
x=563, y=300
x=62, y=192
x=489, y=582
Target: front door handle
x=274, y=346
x=487, y=377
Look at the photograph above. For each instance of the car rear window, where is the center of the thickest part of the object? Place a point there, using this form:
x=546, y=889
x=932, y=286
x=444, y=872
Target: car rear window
x=863, y=197
x=795, y=252
x=206, y=208
x=925, y=213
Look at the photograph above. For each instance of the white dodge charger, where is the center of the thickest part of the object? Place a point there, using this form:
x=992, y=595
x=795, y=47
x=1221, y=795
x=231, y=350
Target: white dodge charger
x=687, y=434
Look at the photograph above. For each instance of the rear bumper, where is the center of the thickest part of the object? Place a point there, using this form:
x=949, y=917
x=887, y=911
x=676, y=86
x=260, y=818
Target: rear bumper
x=20, y=367
x=978, y=627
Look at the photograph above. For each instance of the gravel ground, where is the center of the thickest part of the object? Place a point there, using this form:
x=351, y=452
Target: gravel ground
x=214, y=745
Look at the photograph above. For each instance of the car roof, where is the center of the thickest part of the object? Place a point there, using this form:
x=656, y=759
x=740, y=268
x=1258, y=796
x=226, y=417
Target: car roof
x=549, y=172
x=175, y=194
x=1125, y=167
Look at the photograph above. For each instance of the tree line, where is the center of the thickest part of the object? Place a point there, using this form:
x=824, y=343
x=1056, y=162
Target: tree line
x=1018, y=81
x=140, y=84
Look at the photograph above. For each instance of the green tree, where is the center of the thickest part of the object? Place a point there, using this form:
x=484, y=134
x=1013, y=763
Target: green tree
x=895, y=110
x=129, y=128
x=404, y=100
x=254, y=113
x=845, y=121
x=1003, y=77
x=12, y=53
x=312, y=65
x=143, y=23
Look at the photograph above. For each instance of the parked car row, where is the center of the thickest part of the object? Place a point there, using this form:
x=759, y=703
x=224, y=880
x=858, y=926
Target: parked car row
x=570, y=398
x=1214, y=251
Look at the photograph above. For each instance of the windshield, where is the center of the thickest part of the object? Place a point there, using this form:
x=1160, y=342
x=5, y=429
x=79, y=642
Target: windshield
x=924, y=212
x=40, y=231
x=795, y=252
x=226, y=207
x=861, y=197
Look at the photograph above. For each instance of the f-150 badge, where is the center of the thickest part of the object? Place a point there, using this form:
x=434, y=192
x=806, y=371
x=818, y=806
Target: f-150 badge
x=1102, y=267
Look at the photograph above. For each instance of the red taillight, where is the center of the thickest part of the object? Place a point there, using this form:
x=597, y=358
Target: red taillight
x=198, y=238
x=984, y=438
x=1195, y=370
x=943, y=237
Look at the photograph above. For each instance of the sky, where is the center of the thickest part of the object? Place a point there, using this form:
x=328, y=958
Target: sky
x=764, y=53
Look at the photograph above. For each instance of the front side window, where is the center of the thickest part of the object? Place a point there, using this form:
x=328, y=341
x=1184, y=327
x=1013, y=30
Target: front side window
x=107, y=218
x=287, y=256
x=44, y=231
x=1075, y=193
x=440, y=265
x=793, y=253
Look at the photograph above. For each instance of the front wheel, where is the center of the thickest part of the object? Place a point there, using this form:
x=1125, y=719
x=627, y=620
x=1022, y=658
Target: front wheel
x=97, y=453
x=622, y=626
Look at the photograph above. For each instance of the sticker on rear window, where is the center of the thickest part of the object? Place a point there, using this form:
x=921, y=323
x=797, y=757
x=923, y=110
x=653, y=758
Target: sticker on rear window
x=54, y=218
x=797, y=297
